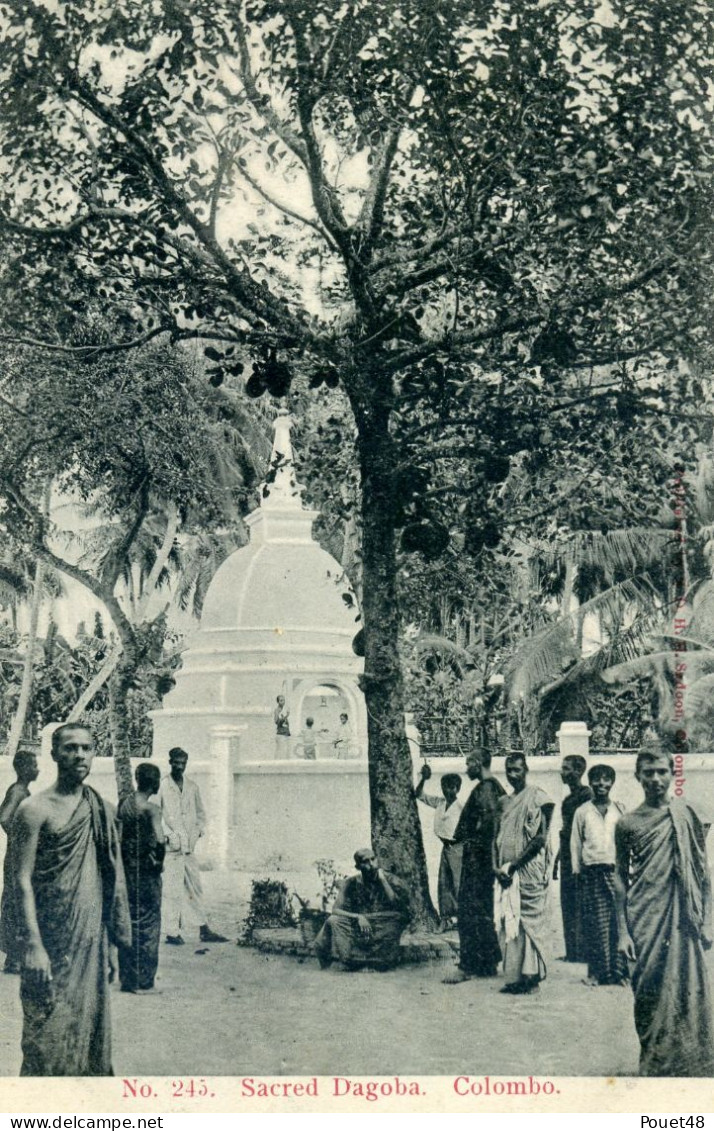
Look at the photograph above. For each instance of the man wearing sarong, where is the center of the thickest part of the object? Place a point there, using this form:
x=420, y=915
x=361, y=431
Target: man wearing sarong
x=142, y=848
x=72, y=906
x=184, y=821
x=368, y=919
x=664, y=914
x=25, y=766
x=522, y=867
x=593, y=858
x=479, y=952
x=447, y=811
x=571, y=774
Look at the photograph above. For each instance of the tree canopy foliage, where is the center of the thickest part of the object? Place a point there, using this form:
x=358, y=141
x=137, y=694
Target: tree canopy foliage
x=129, y=449
x=453, y=210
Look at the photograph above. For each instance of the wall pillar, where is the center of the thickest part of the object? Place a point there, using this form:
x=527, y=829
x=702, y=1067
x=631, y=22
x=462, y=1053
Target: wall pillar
x=413, y=737
x=574, y=738
x=224, y=739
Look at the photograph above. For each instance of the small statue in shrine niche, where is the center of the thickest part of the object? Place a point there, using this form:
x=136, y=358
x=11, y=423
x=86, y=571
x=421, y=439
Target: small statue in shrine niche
x=281, y=716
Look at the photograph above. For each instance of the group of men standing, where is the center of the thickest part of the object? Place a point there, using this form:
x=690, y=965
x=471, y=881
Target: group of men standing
x=635, y=894
x=81, y=886
x=503, y=876
x=83, y=893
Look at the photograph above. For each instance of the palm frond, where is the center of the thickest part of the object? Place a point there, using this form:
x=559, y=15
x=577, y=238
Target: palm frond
x=697, y=663
x=458, y=655
x=618, y=552
x=545, y=656
x=699, y=698
x=702, y=620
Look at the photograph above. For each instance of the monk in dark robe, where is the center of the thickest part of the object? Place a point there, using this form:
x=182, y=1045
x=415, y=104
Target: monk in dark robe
x=571, y=773
x=664, y=913
x=367, y=921
x=142, y=848
x=72, y=905
x=479, y=952
x=25, y=766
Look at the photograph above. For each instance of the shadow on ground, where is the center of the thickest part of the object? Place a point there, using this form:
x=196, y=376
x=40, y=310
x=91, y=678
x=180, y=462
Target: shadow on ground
x=226, y=1010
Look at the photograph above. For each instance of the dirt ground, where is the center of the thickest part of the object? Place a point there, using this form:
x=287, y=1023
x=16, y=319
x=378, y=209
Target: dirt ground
x=227, y=1010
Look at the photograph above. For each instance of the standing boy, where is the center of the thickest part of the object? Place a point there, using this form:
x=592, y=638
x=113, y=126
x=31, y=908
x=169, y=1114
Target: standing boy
x=447, y=812
x=143, y=846
x=309, y=740
x=664, y=919
x=592, y=852
x=571, y=775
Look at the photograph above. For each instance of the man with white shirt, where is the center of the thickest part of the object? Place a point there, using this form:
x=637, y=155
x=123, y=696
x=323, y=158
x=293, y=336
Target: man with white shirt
x=447, y=813
x=344, y=741
x=592, y=850
x=184, y=821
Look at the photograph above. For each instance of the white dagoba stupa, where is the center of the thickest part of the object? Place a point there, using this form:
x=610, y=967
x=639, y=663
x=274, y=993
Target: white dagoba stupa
x=278, y=619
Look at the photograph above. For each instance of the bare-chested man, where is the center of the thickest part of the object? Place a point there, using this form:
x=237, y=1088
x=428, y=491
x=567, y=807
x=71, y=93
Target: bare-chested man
x=71, y=904
x=25, y=766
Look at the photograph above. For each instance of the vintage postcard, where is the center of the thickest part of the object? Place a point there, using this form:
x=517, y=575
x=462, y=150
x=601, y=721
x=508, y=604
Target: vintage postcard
x=356, y=598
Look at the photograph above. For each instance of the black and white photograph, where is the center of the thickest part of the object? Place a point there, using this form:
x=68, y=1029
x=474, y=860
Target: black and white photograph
x=357, y=555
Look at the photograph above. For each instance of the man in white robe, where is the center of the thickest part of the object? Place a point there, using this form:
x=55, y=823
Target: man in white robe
x=184, y=821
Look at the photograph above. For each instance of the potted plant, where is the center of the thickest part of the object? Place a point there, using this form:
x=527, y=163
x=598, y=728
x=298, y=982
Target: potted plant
x=270, y=907
x=311, y=919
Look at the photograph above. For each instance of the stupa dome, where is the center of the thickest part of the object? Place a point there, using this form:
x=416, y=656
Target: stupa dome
x=282, y=580
x=268, y=700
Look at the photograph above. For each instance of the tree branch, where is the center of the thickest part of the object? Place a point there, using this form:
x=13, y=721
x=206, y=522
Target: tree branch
x=420, y=254
x=118, y=555
x=372, y=212
x=283, y=208
x=224, y=162
x=261, y=103
x=172, y=523
x=447, y=343
x=324, y=195
x=254, y=298
x=50, y=231
x=84, y=351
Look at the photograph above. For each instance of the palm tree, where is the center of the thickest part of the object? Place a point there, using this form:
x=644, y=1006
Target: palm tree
x=38, y=582
x=684, y=633
x=612, y=581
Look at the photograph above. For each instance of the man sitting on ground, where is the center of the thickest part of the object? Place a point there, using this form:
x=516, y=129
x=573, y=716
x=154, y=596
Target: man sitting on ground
x=368, y=919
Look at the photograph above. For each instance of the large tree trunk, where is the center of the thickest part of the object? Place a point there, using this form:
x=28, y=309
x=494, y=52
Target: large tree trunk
x=396, y=830
x=119, y=685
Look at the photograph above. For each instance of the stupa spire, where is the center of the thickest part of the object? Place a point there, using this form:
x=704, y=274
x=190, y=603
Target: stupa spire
x=281, y=488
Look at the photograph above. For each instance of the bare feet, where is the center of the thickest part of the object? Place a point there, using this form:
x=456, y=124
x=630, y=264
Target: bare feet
x=456, y=978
